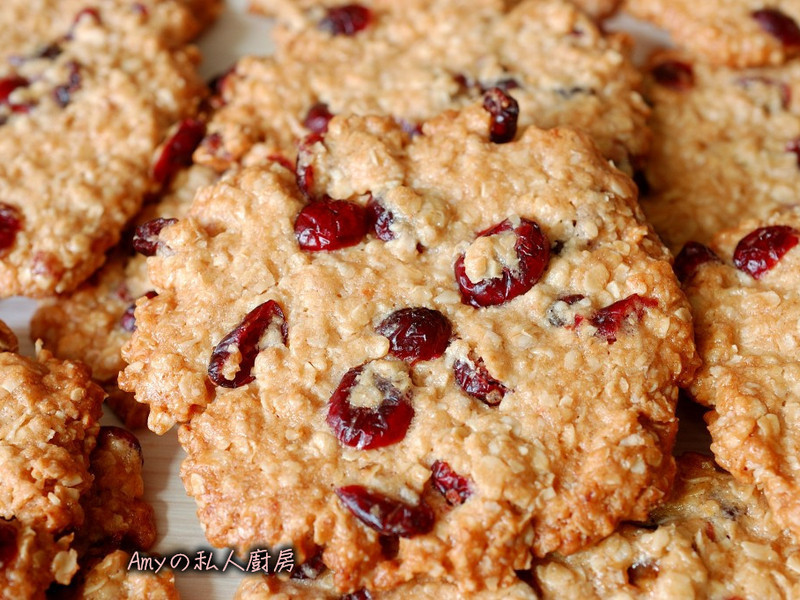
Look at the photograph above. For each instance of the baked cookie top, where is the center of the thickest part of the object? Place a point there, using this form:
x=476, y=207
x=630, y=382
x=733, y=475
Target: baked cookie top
x=737, y=33
x=110, y=579
x=714, y=538
x=31, y=26
x=745, y=303
x=413, y=62
x=726, y=145
x=428, y=343
x=81, y=123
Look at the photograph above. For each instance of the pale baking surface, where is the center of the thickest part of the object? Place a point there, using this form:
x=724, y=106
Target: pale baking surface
x=234, y=35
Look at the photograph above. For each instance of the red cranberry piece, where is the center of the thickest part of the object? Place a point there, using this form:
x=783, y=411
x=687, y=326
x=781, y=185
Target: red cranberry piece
x=282, y=161
x=779, y=25
x=416, y=334
x=385, y=515
x=145, y=236
x=556, y=317
x=9, y=84
x=504, y=111
x=317, y=118
x=760, y=250
x=533, y=252
x=86, y=13
x=178, y=150
x=794, y=147
x=477, y=383
x=63, y=93
x=128, y=321
x=365, y=427
x=8, y=544
x=347, y=19
x=10, y=225
x=330, y=225
x=689, y=259
x=610, y=319
x=380, y=220
x=455, y=488
x=245, y=338
x=674, y=74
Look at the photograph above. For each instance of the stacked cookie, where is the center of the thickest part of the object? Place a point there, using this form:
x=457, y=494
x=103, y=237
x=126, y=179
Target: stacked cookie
x=396, y=289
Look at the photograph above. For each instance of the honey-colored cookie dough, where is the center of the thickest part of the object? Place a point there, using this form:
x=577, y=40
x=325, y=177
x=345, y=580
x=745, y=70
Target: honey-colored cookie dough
x=567, y=421
x=110, y=579
x=725, y=145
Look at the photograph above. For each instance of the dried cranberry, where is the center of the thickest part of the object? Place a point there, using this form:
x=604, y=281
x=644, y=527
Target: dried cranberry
x=674, y=74
x=761, y=249
x=63, y=93
x=504, y=111
x=245, y=338
x=178, y=150
x=311, y=569
x=86, y=13
x=779, y=25
x=9, y=84
x=282, y=161
x=330, y=225
x=385, y=515
x=794, y=147
x=533, y=253
x=128, y=321
x=8, y=544
x=347, y=19
x=380, y=220
x=145, y=236
x=477, y=383
x=416, y=333
x=609, y=319
x=691, y=256
x=455, y=488
x=10, y=225
x=317, y=118
x=369, y=427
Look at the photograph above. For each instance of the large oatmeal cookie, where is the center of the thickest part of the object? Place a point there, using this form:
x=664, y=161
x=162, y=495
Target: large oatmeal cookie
x=738, y=33
x=545, y=410
x=413, y=62
x=746, y=306
x=81, y=121
x=725, y=145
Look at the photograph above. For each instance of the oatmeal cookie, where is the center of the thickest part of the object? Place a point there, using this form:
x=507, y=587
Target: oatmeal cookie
x=81, y=123
x=110, y=579
x=736, y=33
x=413, y=63
x=745, y=301
x=420, y=370
x=92, y=323
x=714, y=538
x=726, y=145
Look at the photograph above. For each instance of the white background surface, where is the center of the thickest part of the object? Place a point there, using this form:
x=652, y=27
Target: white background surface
x=236, y=34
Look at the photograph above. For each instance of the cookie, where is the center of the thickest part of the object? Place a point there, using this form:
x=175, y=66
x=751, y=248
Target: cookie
x=413, y=62
x=92, y=323
x=110, y=579
x=81, y=125
x=426, y=344
x=725, y=145
x=713, y=538
x=736, y=33
x=744, y=299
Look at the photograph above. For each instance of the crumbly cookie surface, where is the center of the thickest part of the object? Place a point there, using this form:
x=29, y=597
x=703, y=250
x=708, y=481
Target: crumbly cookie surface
x=725, y=145
x=90, y=325
x=110, y=579
x=748, y=338
x=413, y=62
x=534, y=458
x=714, y=538
x=81, y=122
x=737, y=33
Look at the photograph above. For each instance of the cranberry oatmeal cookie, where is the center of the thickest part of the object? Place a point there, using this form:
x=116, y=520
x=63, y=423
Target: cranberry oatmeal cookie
x=737, y=33
x=394, y=392
x=726, y=145
x=81, y=120
x=110, y=579
x=413, y=62
x=744, y=296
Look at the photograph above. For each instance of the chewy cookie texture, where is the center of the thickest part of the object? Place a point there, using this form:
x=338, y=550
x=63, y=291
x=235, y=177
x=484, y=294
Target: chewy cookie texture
x=413, y=62
x=744, y=296
x=81, y=116
x=462, y=454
